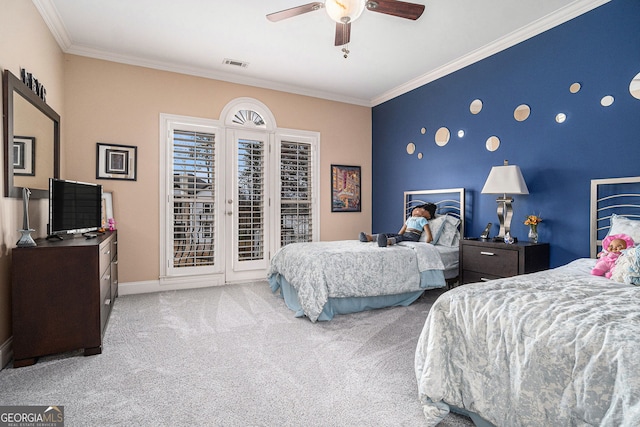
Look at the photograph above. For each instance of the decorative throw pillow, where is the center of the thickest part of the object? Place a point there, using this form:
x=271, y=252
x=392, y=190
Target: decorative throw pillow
x=623, y=225
x=448, y=232
x=435, y=225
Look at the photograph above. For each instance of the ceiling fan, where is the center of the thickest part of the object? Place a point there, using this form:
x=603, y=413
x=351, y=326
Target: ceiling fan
x=344, y=12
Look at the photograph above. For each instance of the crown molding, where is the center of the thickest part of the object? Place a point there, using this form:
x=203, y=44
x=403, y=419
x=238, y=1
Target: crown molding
x=214, y=75
x=550, y=21
x=52, y=18
x=50, y=15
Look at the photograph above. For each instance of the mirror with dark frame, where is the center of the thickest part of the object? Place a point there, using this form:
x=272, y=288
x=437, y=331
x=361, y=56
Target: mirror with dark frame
x=31, y=140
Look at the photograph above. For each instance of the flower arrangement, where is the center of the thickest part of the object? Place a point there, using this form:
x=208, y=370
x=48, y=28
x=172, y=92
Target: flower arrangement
x=533, y=221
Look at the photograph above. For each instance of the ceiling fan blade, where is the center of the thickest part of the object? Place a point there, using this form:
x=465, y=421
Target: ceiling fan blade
x=343, y=33
x=396, y=8
x=294, y=11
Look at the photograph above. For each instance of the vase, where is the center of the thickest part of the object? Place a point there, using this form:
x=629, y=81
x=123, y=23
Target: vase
x=533, y=233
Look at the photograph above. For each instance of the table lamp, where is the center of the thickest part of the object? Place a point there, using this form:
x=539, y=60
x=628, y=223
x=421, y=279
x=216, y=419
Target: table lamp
x=504, y=180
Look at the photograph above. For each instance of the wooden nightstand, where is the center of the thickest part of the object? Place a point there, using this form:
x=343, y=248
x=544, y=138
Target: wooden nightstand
x=482, y=260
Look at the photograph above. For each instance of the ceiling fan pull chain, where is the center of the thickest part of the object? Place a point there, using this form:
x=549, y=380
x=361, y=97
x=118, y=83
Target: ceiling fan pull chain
x=345, y=48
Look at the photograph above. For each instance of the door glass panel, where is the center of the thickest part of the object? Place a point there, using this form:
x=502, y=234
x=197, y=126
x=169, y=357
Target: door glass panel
x=193, y=199
x=251, y=196
x=296, y=193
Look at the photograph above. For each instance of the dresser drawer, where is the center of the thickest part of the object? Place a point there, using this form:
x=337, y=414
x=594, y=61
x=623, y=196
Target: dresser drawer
x=114, y=280
x=114, y=247
x=105, y=299
x=105, y=255
x=492, y=261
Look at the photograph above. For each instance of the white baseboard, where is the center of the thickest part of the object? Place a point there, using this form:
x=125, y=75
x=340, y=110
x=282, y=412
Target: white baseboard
x=6, y=352
x=169, y=284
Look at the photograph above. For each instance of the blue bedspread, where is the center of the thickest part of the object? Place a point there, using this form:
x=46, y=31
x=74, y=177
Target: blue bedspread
x=349, y=268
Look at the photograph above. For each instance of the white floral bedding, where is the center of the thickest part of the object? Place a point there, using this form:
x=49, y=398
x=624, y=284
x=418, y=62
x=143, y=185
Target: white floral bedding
x=349, y=268
x=627, y=268
x=555, y=348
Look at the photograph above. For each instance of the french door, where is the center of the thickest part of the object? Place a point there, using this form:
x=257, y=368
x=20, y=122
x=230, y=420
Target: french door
x=191, y=223
x=247, y=205
x=218, y=206
x=230, y=197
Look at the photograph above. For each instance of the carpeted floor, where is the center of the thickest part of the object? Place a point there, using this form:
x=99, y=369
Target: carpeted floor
x=234, y=356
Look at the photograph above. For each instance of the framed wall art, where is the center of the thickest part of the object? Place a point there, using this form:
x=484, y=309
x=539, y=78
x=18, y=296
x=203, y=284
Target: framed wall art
x=345, y=188
x=115, y=161
x=24, y=155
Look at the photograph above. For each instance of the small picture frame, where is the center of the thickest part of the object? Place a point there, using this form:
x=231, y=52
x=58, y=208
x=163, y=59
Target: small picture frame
x=24, y=155
x=107, y=208
x=345, y=188
x=114, y=161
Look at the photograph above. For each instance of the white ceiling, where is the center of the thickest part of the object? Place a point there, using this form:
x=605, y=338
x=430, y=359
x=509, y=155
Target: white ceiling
x=389, y=55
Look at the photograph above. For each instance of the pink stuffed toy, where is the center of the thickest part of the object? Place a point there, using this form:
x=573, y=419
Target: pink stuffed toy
x=614, y=245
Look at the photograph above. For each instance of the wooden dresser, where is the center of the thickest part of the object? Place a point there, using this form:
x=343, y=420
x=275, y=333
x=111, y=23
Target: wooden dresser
x=482, y=260
x=62, y=295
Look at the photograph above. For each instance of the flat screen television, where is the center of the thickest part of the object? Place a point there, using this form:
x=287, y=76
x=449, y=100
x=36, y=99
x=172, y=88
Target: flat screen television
x=74, y=207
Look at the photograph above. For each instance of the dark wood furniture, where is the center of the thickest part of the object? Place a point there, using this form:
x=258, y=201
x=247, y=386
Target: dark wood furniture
x=482, y=260
x=63, y=293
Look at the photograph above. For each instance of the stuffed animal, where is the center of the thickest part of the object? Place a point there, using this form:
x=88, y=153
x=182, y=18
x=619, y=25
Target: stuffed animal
x=112, y=224
x=614, y=245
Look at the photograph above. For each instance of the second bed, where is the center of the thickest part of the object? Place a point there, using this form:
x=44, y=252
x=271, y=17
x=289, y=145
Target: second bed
x=321, y=279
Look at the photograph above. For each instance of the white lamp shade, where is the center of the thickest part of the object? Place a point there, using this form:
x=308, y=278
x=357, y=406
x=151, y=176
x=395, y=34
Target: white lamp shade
x=505, y=180
x=344, y=11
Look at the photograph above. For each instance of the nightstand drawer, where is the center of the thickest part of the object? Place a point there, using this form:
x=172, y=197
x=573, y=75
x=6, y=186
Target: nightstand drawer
x=482, y=260
x=474, y=276
x=491, y=261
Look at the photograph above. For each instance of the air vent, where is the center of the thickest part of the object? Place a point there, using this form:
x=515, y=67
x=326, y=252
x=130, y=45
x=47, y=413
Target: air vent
x=235, y=63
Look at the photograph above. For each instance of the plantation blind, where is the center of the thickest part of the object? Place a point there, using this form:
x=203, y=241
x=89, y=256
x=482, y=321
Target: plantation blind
x=296, y=222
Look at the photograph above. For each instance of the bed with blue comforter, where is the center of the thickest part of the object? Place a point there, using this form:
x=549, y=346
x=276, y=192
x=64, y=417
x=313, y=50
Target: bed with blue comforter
x=321, y=279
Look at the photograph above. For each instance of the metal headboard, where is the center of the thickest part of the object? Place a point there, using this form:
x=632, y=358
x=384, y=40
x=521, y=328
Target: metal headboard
x=620, y=196
x=449, y=201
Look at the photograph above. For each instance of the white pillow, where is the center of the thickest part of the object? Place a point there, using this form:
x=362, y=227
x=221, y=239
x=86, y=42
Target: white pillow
x=456, y=240
x=623, y=225
x=435, y=225
x=448, y=232
x=627, y=268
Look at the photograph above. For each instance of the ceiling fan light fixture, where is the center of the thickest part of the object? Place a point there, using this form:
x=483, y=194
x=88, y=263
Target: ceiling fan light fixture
x=344, y=11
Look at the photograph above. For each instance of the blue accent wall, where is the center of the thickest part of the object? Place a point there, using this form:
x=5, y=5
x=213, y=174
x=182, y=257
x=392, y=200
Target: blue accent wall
x=600, y=50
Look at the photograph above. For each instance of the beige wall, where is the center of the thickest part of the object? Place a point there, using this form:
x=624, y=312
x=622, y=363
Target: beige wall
x=121, y=104
x=101, y=101
x=25, y=42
